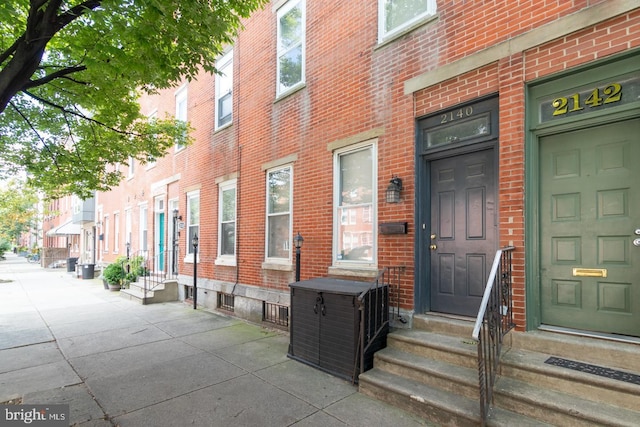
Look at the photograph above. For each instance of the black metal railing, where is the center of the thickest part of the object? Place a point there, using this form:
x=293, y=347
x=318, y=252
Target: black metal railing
x=156, y=269
x=374, y=306
x=494, y=321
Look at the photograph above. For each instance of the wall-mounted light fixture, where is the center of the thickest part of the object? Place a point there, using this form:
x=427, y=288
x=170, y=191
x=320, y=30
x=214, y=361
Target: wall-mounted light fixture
x=393, y=190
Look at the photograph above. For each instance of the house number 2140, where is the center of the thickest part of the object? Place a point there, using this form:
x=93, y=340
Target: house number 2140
x=595, y=98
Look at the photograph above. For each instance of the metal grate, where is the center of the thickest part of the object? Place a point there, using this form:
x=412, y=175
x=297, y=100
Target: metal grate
x=188, y=292
x=276, y=314
x=226, y=301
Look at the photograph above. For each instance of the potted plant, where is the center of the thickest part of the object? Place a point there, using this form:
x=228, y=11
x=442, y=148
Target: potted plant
x=114, y=274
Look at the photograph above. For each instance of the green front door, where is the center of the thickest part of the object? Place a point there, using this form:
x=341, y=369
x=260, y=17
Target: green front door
x=589, y=228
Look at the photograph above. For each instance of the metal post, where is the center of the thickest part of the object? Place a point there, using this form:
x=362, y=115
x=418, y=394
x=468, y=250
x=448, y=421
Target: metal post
x=195, y=271
x=297, y=264
x=128, y=253
x=174, y=259
x=297, y=242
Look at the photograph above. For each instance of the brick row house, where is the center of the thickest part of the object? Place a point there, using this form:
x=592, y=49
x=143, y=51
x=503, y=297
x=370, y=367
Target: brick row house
x=508, y=124
x=68, y=232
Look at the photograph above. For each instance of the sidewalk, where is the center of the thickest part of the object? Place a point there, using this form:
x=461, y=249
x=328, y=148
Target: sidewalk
x=65, y=340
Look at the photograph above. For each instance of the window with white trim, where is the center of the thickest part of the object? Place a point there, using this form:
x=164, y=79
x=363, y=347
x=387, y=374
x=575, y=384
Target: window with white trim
x=290, y=46
x=181, y=110
x=105, y=224
x=193, y=218
x=227, y=221
x=127, y=227
x=152, y=118
x=144, y=232
x=397, y=15
x=278, y=239
x=224, y=90
x=355, y=196
x=131, y=167
x=116, y=232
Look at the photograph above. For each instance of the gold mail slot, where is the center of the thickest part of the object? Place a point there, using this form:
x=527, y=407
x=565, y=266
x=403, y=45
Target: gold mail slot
x=589, y=272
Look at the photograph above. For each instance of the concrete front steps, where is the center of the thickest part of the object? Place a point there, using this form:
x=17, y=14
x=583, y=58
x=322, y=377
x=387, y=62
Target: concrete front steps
x=432, y=371
x=162, y=292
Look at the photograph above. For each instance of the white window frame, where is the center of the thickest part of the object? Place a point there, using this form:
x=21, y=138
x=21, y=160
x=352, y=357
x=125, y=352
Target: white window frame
x=127, y=229
x=227, y=259
x=384, y=35
x=189, y=247
x=288, y=241
x=131, y=167
x=340, y=220
x=151, y=161
x=225, y=67
x=144, y=227
x=116, y=232
x=105, y=242
x=182, y=109
x=280, y=52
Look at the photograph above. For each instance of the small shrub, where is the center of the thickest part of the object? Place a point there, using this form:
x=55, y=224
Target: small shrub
x=114, y=273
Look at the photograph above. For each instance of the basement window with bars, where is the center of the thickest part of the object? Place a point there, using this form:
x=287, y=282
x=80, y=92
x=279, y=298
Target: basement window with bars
x=226, y=301
x=188, y=292
x=275, y=313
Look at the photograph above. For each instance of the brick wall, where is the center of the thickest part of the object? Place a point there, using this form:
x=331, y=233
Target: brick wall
x=355, y=86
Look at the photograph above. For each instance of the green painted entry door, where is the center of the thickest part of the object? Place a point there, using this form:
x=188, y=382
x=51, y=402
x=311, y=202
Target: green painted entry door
x=463, y=230
x=589, y=214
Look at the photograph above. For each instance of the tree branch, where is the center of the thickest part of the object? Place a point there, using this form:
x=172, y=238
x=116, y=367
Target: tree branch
x=70, y=15
x=60, y=73
x=11, y=50
x=46, y=146
x=79, y=115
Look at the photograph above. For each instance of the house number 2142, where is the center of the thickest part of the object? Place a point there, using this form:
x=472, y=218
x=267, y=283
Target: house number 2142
x=595, y=98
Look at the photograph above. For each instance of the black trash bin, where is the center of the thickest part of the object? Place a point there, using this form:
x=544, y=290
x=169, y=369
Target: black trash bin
x=71, y=264
x=88, y=271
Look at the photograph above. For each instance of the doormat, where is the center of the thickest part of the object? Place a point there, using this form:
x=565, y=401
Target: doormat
x=595, y=370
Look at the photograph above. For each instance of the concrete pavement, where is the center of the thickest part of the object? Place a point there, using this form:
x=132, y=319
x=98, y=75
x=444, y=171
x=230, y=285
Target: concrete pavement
x=65, y=340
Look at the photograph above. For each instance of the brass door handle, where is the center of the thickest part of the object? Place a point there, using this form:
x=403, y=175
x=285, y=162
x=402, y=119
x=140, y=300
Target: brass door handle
x=433, y=247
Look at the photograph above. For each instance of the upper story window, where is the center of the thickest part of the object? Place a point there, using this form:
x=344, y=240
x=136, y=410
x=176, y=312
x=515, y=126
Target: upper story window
x=279, y=214
x=224, y=90
x=131, y=168
x=291, y=49
x=397, y=15
x=152, y=118
x=355, y=196
x=181, y=109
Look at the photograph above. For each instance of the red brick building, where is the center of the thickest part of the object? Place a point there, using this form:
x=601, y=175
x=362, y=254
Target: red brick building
x=509, y=124
x=321, y=106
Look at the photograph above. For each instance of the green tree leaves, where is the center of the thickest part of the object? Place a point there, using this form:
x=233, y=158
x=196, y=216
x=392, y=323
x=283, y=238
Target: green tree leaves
x=18, y=210
x=71, y=72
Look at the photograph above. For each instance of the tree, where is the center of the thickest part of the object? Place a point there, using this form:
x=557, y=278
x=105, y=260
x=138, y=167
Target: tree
x=18, y=210
x=71, y=72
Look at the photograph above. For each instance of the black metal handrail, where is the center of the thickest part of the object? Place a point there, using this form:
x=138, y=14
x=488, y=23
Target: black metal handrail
x=494, y=321
x=152, y=270
x=160, y=268
x=374, y=306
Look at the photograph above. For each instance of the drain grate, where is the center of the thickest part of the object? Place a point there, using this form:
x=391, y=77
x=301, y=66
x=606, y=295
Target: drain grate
x=595, y=370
